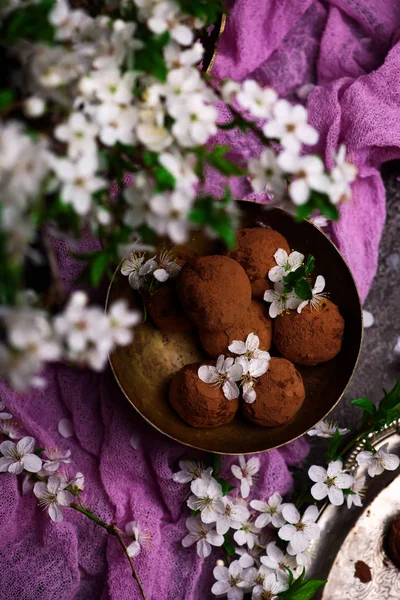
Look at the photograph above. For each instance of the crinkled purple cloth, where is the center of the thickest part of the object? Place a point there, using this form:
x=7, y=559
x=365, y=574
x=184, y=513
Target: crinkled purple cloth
x=348, y=48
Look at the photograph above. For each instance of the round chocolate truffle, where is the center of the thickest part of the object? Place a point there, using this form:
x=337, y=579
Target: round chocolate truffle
x=394, y=542
x=200, y=404
x=254, y=320
x=214, y=291
x=255, y=249
x=312, y=337
x=165, y=309
x=258, y=287
x=280, y=394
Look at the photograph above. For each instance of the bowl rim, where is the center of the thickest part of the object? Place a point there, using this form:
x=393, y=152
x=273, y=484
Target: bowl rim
x=117, y=269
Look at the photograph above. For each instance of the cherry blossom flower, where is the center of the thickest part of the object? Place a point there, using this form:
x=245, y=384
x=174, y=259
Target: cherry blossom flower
x=289, y=125
x=270, y=588
x=228, y=581
x=170, y=215
x=258, y=101
x=10, y=428
x=248, y=556
x=285, y=264
x=229, y=90
x=234, y=515
x=195, y=124
x=326, y=429
x=190, y=470
x=141, y=538
x=151, y=130
x=4, y=415
x=308, y=173
x=271, y=511
x=65, y=428
x=379, y=461
x=175, y=57
x=79, y=134
x=136, y=268
x=249, y=348
x=31, y=334
x=78, y=481
x=20, y=456
x=252, y=369
x=330, y=482
x=266, y=174
x=357, y=487
x=121, y=320
x=206, y=498
x=278, y=561
x=181, y=85
x=253, y=579
x=343, y=174
x=117, y=123
x=108, y=85
x=54, y=458
x=304, y=558
x=165, y=17
x=224, y=374
x=168, y=267
x=53, y=497
x=181, y=167
x=319, y=221
x=317, y=295
x=299, y=531
x=203, y=535
x=280, y=301
x=247, y=534
x=245, y=472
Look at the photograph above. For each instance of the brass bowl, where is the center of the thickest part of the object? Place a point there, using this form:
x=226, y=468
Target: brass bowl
x=144, y=369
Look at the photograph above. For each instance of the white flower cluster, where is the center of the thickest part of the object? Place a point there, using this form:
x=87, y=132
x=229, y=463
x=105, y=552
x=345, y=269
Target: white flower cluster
x=251, y=364
x=262, y=567
x=282, y=301
x=287, y=125
x=146, y=274
x=82, y=334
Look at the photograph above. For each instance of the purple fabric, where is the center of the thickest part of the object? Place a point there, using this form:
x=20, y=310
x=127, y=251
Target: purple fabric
x=347, y=48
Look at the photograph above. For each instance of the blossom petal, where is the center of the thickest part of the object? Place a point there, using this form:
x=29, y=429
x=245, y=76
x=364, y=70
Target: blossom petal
x=249, y=394
x=161, y=275
x=65, y=498
x=287, y=532
x=344, y=481
x=203, y=548
x=215, y=538
x=7, y=449
x=244, y=488
x=335, y=496
x=270, y=296
x=220, y=363
x=275, y=309
x=231, y=390
x=295, y=260
x=208, y=374
x=237, y=347
x=16, y=467
x=40, y=490
x=220, y=588
x=363, y=458
x=237, y=471
x=258, y=366
x=375, y=468
x=5, y=462
x=240, y=537
x=281, y=257
x=253, y=465
x=299, y=309
x=259, y=505
x=53, y=484
x=189, y=540
x=252, y=342
x=134, y=549
x=221, y=573
x=55, y=513
x=390, y=462
x=65, y=428
x=290, y=514
x=319, y=490
x=32, y=463
x=235, y=371
x=317, y=474
x=262, y=520
x=299, y=541
x=319, y=285
x=276, y=274
x=299, y=191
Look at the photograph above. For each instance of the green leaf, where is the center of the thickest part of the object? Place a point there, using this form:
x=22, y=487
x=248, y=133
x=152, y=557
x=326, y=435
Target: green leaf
x=334, y=446
x=195, y=513
x=310, y=264
x=304, y=211
x=295, y=275
x=226, y=486
x=98, y=268
x=325, y=206
x=6, y=99
x=29, y=23
x=224, y=228
x=165, y=180
x=38, y=451
x=225, y=166
x=365, y=404
x=305, y=591
x=216, y=464
x=303, y=289
x=229, y=547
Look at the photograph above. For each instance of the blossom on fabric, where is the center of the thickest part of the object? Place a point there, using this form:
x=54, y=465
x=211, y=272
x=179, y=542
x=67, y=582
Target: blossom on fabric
x=141, y=538
x=54, y=458
x=317, y=295
x=135, y=267
x=79, y=134
x=277, y=560
x=4, y=415
x=190, y=470
x=253, y=579
x=249, y=349
x=357, y=487
x=266, y=175
x=234, y=515
x=65, y=428
x=308, y=174
x=285, y=264
x=206, y=497
x=252, y=369
x=257, y=100
x=247, y=534
x=271, y=511
x=271, y=586
x=203, y=535
x=280, y=301
x=228, y=581
x=245, y=473
x=299, y=530
x=195, y=123
x=121, y=320
x=53, y=497
x=17, y=457
x=330, y=482
x=343, y=174
x=289, y=125
x=229, y=90
x=379, y=461
x=32, y=336
x=225, y=373
x=10, y=428
x=168, y=267
x=326, y=429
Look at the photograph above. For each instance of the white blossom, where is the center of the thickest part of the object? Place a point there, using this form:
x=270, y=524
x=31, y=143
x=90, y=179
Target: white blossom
x=136, y=268
x=305, y=558
x=318, y=295
x=280, y=300
x=121, y=320
x=285, y=264
x=308, y=174
x=330, y=482
x=343, y=174
x=4, y=415
x=258, y=101
x=79, y=134
x=271, y=511
x=226, y=373
x=326, y=429
x=53, y=497
x=117, y=123
x=190, y=470
x=379, y=461
x=253, y=579
x=233, y=517
x=229, y=90
x=266, y=175
x=170, y=215
x=180, y=88
x=249, y=349
x=10, y=428
x=166, y=17
x=270, y=588
x=108, y=85
x=368, y=319
x=289, y=125
x=175, y=57
x=31, y=334
x=151, y=130
x=228, y=581
x=54, y=458
x=207, y=498
x=357, y=487
x=195, y=124
x=181, y=167
x=141, y=538
x=20, y=456
x=168, y=267
x=247, y=534
x=253, y=368
x=277, y=560
x=34, y=107
x=299, y=531
x=245, y=473
x=203, y=535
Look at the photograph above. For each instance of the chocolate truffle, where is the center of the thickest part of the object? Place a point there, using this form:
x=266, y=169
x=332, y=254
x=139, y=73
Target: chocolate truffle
x=258, y=288
x=394, y=542
x=200, y=404
x=214, y=291
x=280, y=394
x=254, y=320
x=165, y=309
x=255, y=249
x=314, y=336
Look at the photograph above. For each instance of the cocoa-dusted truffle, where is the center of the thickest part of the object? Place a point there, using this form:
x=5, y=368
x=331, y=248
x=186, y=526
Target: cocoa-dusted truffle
x=200, y=404
x=255, y=249
x=258, y=287
x=314, y=336
x=254, y=320
x=280, y=394
x=214, y=291
x=166, y=310
x=394, y=542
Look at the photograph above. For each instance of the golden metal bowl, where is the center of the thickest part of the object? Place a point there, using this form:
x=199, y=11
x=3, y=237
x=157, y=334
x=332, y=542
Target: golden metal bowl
x=144, y=369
